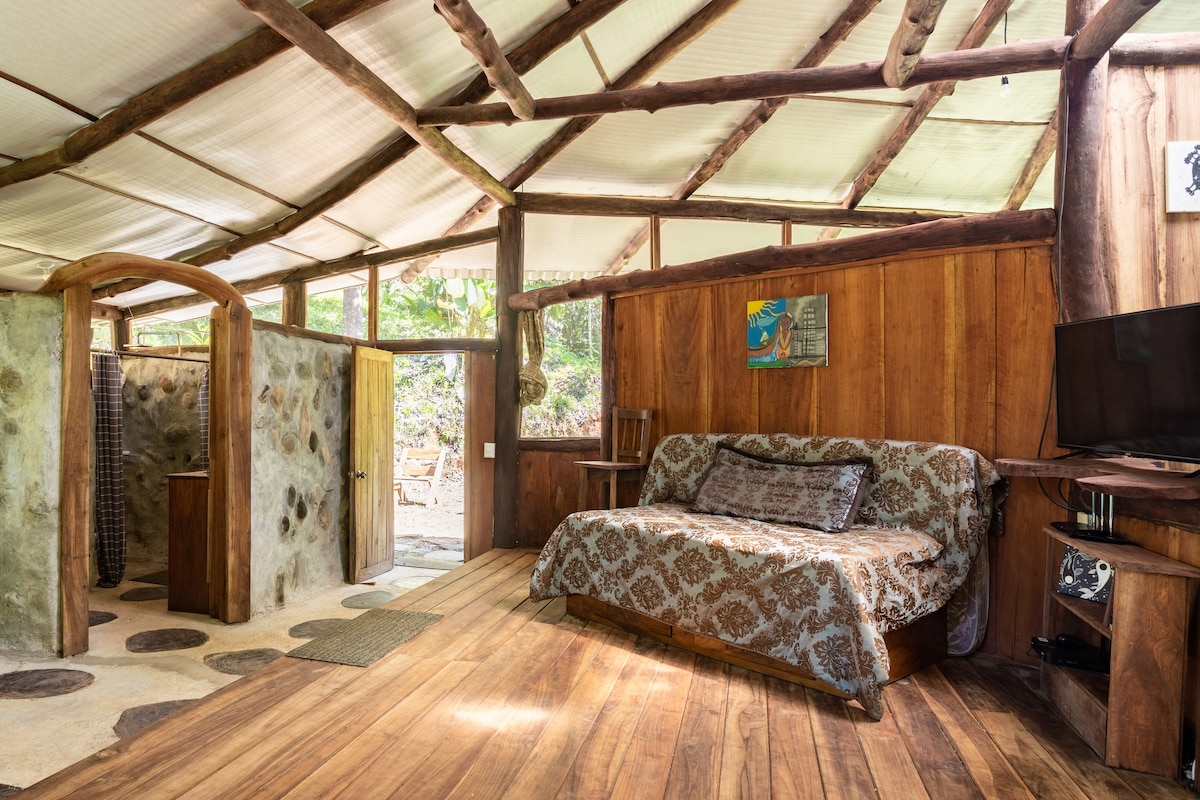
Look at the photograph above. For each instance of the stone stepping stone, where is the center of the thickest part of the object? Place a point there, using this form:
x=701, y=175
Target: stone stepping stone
x=368, y=599
x=164, y=639
x=242, y=662
x=315, y=627
x=159, y=578
x=100, y=617
x=32, y=683
x=134, y=719
x=145, y=593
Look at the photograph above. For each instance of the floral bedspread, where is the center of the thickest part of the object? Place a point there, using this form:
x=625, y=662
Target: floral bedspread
x=817, y=600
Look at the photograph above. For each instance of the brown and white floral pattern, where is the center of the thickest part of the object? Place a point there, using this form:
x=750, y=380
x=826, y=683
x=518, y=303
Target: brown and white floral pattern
x=818, y=600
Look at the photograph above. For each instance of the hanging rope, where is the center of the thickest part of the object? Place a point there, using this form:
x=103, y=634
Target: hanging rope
x=531, y=378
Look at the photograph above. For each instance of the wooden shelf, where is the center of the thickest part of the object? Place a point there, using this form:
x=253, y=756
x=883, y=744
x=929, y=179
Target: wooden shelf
x=1090, y=612
x=1119, y=477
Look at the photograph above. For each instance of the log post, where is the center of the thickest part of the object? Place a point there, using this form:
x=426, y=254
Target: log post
x=1084, y=274
x=74, y=497
x=294, y=309
x=510, y=280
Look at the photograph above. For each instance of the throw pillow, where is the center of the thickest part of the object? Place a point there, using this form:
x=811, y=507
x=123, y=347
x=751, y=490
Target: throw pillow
x=821, y=495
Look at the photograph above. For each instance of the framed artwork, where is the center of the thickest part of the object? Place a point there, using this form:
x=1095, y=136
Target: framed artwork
x=1183, y=177
x=788, y=332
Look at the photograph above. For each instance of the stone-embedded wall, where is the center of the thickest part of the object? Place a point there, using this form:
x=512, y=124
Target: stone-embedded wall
x=30, y=453
x=161, y=436
x=300, y=456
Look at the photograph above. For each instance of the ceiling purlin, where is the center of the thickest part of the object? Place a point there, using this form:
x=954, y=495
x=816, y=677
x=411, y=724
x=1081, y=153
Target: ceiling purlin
x=916, y=26
x=854, y=13
x=479, y=41
x=325, y=50
x=175, y=92
x=523, y=58
x=687, y=32
x=984, y=24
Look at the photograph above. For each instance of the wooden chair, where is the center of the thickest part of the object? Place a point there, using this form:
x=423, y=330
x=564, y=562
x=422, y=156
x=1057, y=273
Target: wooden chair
x=419, y=465
x=630, y=454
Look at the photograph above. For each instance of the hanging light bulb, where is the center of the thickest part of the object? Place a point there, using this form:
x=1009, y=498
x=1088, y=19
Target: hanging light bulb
x=1005, y=87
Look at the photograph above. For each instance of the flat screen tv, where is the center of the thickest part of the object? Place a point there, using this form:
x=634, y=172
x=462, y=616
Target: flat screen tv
x=1130, y=384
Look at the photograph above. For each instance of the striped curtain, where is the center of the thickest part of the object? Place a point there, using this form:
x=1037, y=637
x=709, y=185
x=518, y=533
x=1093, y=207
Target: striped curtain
x=110, y=470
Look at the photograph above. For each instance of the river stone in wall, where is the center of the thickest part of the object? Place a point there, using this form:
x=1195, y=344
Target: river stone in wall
x=300, y=453
x=161, y=436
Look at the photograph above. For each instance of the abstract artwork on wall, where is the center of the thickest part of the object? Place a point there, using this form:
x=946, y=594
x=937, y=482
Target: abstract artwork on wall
x=788, y=332
x=1183, y=176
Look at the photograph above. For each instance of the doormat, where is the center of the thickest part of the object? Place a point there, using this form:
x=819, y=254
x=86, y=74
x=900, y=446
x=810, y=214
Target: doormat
x=367, y=638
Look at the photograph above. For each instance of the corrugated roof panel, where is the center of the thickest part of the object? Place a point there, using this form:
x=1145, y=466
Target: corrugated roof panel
x=28, y=121
x=808, y=152
x=629, y=32
x=688, y=240
x=956, y=167
x=576, y=246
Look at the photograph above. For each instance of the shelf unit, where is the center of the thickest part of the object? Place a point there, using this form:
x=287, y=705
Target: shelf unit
x=1132, y=717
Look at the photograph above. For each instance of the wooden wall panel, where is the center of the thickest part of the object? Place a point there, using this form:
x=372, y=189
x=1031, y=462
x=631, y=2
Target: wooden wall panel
x=479, y=480
x=636, y=378
x=734, y=400
x=549, y=482
x=974, y=337
x=1181, y=232
x=918, y=384
x=1024, y=362
x=848, y=400
x=787, y=398
x=684, y=338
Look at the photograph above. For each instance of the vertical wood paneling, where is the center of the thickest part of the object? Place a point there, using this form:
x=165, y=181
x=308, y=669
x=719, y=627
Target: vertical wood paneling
x=734, y=400
x=479, y=371
x=850, y=397
x=1024, y=362
x=549, y=482
x=786, y=397
x=918, y=369
x=1181, y=232
x=636, y=371
x=685, y=323
x=974, y=369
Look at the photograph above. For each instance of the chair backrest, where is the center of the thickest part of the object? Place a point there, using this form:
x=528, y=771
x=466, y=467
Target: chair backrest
x=631, y=435
x=421, y=462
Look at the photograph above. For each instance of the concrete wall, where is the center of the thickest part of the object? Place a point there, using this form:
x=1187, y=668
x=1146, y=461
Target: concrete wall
x=300, y=450
x=161, y=436
x=30, y=436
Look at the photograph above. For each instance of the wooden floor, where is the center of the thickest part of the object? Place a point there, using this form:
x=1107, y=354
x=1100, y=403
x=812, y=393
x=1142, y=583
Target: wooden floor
x=508, y=698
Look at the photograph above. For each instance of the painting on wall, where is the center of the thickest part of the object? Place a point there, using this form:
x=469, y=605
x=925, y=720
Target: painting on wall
x=1183, y=176
x=788, y=332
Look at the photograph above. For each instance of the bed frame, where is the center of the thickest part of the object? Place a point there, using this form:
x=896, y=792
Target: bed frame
x=911, y=648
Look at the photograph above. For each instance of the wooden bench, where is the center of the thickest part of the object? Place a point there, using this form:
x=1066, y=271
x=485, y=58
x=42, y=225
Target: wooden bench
x=419, y=465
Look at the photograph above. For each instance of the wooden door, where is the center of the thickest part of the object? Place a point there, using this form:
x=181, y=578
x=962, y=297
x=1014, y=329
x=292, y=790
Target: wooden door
x=372, y=540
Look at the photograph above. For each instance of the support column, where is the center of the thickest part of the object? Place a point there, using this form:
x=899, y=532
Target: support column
x=510, y=279
x=294, y=309
x=1084, y=270
x=74, y=497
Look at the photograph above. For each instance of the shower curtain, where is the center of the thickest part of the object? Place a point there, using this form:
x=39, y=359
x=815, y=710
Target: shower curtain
x=110, y=470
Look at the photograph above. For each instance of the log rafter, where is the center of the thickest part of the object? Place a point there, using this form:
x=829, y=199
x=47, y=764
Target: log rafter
x=1108, y=24
x=976, y=35
x=664, y=51
x=523, y=58
x=325, y=50
x=479, y=41
x=916, y=26
x=847, y=21
x=178, y=90
x=1042, y=153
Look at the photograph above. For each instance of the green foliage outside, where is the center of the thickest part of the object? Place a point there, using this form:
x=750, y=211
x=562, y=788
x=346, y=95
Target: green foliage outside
x=429, y=389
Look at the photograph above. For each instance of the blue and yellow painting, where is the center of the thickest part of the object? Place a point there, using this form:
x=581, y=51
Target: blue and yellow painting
x=788, y=332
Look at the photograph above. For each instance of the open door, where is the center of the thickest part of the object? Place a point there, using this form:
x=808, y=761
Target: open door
x=372, y=541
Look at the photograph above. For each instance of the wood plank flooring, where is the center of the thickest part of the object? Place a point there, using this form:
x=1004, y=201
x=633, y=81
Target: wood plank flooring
x=504, y=698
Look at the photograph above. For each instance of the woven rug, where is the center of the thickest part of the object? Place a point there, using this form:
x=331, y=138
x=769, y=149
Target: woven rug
x=367, y=638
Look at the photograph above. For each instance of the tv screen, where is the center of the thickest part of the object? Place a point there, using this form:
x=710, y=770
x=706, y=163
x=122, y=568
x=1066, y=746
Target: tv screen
x=1130, y=384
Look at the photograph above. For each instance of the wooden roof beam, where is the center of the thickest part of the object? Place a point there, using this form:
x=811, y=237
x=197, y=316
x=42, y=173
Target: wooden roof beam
x=1103, y=30
x=917, y=24
x=687, y=32
x=1002, y=227
x=984, y=24
x=851, y=16
x=523, y=58
x=178, y=90
x=477, y=38
x=443, y=244
x=599, y=206
x=324, y=49
x=958, y=65
x=1042, y=153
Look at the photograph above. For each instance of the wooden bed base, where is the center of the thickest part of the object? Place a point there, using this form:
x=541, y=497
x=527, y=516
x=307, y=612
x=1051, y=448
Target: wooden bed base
x=910, y=648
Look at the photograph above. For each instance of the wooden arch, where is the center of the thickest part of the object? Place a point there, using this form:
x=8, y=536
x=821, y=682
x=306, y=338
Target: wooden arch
x=229, y=433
